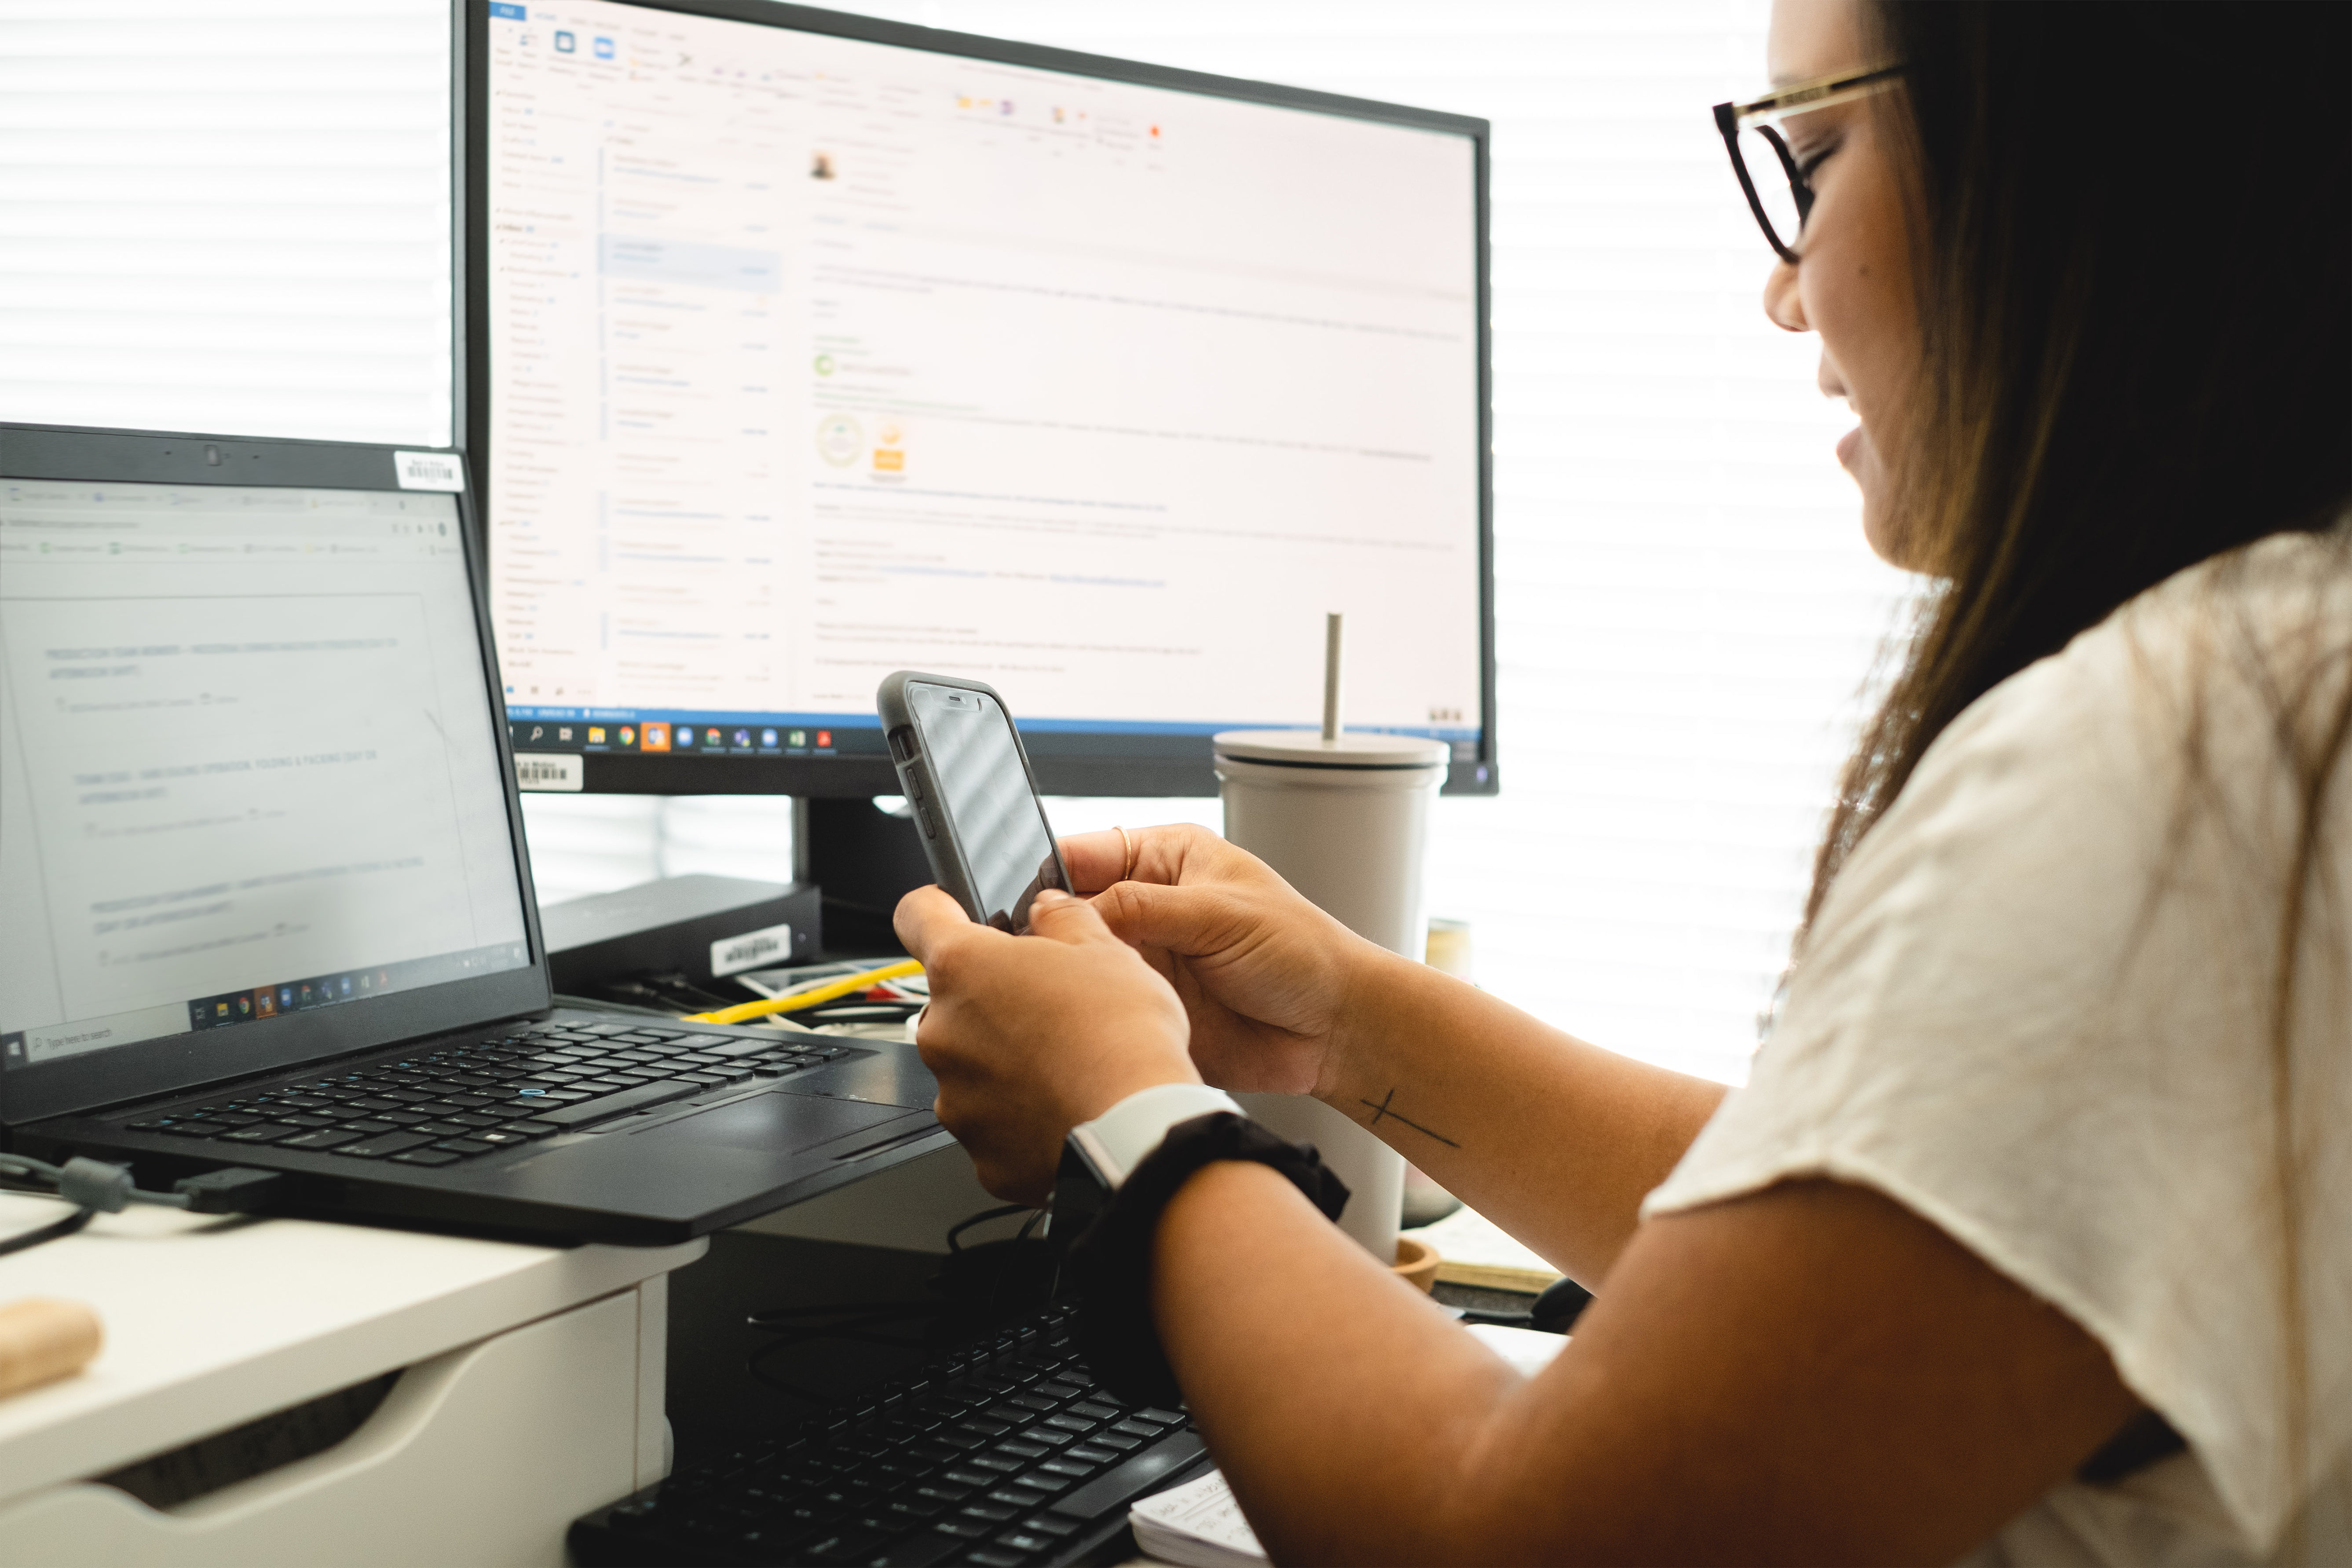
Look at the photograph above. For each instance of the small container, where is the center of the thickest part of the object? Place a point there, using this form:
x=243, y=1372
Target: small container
x=1416, y=1263
x=1345, y=820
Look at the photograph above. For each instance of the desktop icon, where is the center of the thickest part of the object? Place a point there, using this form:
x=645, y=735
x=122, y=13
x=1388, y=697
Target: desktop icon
x=383, y=978
x=839, y=439
x=365, y=981
x=565, y=42
x=742, y=737
x=265, y=1003
x=347, y=984
x=286, y=996
x=245, y=1007
x=564, y=733
x=220, y=1011
x=824, y=737
x=767, y=737
x=656, y=738
x=595, y=734
x=537, y=731
x=798, y=738
x=629, y=734
x=307, y=996
x=603, y=48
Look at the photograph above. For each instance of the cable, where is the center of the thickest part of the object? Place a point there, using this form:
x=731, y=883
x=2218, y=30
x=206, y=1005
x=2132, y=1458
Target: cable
x=982, y=1217
x=797, y=1000
x=50, y=1232
x=92, y=1184
x=95, y=1187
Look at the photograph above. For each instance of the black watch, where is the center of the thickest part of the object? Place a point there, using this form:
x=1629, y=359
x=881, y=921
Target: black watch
x=1110, y=1229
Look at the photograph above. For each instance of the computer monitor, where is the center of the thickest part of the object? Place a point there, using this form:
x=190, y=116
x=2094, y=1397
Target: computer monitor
x=807, y=347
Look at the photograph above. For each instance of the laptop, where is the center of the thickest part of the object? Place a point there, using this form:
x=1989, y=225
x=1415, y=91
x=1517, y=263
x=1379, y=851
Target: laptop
x=268, y=902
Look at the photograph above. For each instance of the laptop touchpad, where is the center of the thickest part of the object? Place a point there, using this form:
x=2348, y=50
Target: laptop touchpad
x=782, y=1124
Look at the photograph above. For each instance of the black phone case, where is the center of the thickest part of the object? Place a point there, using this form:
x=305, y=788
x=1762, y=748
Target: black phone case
x=932, y=822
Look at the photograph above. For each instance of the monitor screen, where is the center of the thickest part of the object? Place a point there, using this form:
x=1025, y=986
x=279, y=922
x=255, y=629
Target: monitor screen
x=806, y=357
x=248, y=766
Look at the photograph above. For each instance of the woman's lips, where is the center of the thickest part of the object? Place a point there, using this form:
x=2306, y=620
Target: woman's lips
x=1849, y=446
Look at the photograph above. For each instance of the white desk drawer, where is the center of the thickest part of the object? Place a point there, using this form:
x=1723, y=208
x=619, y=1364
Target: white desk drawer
x=480, y=1456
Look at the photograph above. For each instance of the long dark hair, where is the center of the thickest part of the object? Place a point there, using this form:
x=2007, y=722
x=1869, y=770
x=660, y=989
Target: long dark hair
x=2134, y=274
x=2133, y=255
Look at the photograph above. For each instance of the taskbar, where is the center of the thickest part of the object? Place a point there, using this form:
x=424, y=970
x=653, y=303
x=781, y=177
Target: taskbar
x=632, y=734
x=355, y=984
x=721, y=737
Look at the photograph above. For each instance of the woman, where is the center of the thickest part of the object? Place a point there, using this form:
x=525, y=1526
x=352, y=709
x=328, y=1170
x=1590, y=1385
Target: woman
x=2032, y=1236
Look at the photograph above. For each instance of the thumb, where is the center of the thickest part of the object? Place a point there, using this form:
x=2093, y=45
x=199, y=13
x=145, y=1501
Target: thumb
x=1179, y=920
x=926, y=916
x=1055, y=914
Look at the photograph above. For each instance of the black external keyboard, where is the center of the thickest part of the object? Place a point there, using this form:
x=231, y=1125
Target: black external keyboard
x=461, y=1101
x=1002, y=1454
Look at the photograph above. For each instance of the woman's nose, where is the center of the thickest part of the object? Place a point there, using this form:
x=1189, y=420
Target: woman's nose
x=1782, y=302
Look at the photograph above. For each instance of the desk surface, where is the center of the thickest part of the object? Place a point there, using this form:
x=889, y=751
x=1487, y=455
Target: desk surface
x=213, y=1321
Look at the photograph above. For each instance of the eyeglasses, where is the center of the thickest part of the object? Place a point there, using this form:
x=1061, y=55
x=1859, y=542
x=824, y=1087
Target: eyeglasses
x=1777, y=191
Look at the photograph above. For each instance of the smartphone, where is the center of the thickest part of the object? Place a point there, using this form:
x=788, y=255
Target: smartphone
x=967, y=779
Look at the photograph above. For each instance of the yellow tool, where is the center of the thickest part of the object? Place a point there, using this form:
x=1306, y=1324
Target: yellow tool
x=797, y=1000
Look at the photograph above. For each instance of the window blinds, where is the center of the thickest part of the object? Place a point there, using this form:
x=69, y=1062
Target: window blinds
x=228, y=216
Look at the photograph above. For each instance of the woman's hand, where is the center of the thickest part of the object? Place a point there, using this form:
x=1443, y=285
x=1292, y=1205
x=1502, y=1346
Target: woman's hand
x=1030, y=1036
x=1264, y=975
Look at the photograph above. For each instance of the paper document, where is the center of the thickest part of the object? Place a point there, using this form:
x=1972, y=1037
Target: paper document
x=1196, y=1525
x=1477, y=1251
x=1528, y=1351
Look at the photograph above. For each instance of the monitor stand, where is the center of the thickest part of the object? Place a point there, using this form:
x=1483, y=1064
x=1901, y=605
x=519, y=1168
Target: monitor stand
x=865, y=859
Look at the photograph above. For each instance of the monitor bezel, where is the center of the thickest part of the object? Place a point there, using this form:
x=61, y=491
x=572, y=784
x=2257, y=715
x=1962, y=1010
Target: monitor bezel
x=168, y=1063
x=1134, y=766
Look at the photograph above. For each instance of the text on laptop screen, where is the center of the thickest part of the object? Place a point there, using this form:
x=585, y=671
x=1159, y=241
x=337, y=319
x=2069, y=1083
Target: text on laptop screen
x=810, y=359
x=247, y=759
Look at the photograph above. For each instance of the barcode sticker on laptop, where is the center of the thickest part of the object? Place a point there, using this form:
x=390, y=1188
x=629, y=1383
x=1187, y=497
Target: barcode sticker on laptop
x=543, y=770
x=429, y=470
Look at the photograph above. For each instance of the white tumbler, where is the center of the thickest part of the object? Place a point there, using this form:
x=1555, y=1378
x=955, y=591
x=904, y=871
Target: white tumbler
x=1345, y=821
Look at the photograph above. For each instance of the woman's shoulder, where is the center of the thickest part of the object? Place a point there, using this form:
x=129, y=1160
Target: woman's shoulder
x=2073, y=906
x=2186, y=686
x=2035, y=1007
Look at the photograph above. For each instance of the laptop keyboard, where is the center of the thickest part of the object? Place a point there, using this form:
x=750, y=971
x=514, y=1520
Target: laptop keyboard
x=467, y=1101
x=1003, y=1453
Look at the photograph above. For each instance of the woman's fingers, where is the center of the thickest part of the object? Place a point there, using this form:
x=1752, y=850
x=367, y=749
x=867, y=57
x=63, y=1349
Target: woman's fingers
x=928, y=919
x=1173, y=853
x=1191, y=921
x=1053, y=914
x=1095, y=859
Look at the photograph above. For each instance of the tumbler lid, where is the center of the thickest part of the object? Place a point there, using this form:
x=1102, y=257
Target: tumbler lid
x=1351, y=749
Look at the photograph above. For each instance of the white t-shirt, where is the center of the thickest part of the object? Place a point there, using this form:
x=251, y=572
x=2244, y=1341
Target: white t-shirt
x=2033, y=1010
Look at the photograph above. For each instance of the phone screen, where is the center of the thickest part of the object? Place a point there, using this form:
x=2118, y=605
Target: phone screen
x=984, y=791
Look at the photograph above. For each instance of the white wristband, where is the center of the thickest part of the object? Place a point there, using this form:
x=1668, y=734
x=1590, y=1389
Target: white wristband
x=1119, y=1140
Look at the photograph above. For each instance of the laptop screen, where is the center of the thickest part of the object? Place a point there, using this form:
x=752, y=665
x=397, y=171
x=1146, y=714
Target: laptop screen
x=247, y=765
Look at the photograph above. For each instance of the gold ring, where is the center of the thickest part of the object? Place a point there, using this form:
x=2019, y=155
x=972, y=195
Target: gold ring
x=1128, y=844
